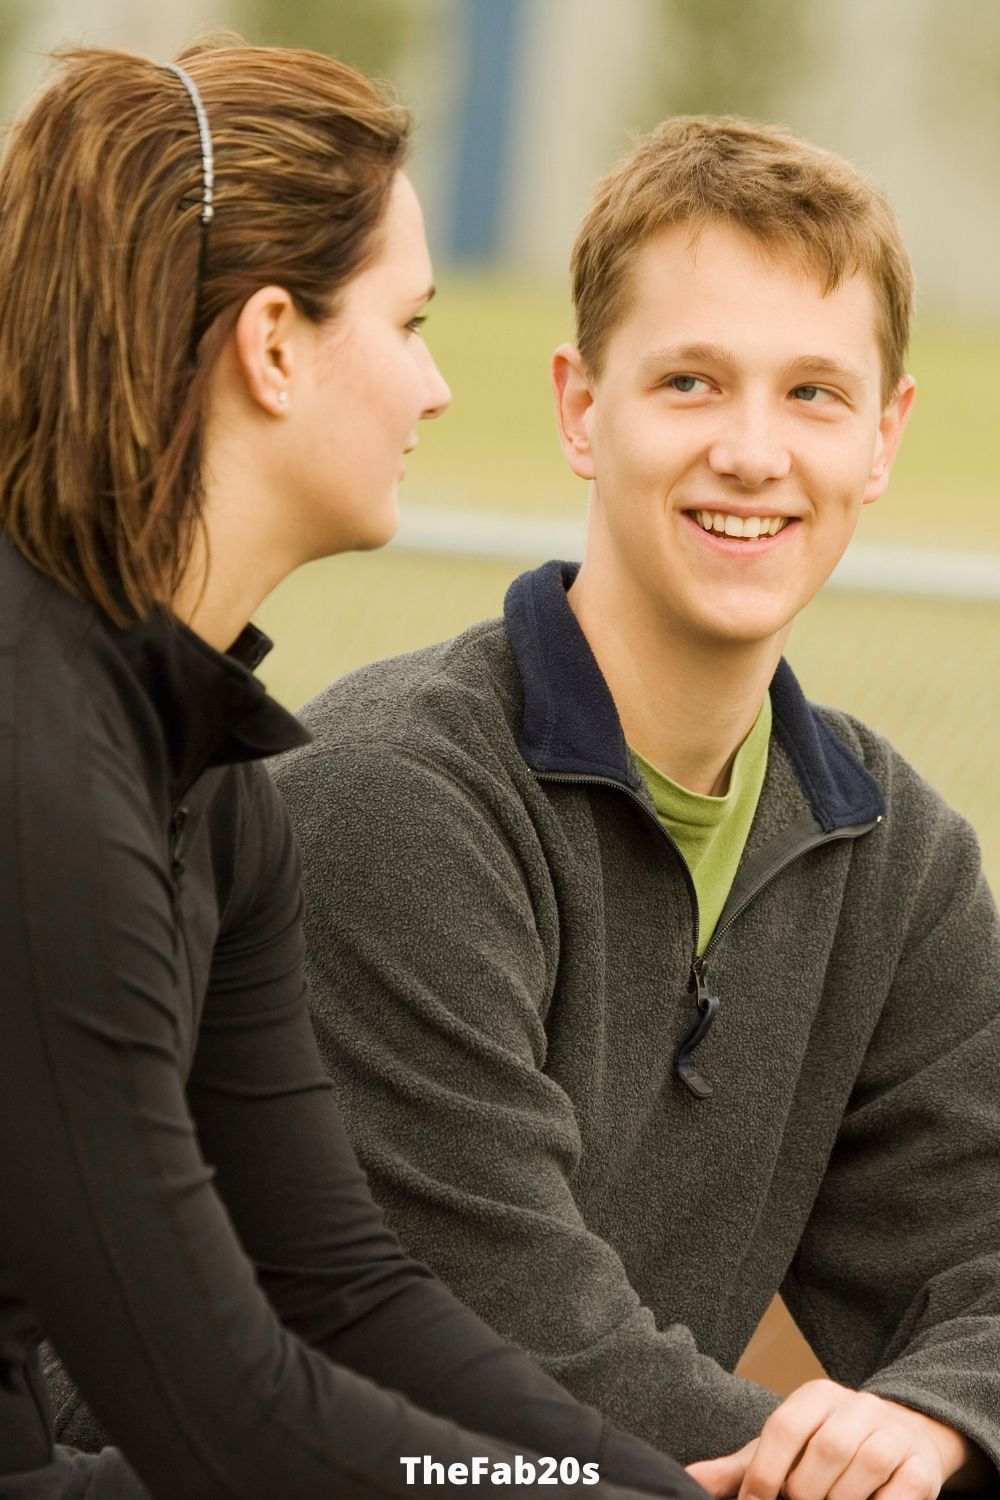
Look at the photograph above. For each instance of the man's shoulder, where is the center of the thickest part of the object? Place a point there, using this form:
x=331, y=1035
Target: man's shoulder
x=876, y=753
x=889, y=765
x=920, y=824
x=463, y=693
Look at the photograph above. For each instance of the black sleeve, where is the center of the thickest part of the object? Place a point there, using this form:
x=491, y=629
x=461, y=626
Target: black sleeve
x=122, y=1244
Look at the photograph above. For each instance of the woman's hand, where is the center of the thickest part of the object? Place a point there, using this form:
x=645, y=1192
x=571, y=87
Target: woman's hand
x=827, y=1442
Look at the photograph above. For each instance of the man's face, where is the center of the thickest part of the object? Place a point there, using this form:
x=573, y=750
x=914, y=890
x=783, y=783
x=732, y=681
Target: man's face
x=733, y=434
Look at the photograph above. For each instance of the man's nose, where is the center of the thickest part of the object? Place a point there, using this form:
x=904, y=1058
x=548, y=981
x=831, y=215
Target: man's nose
x=751, y=448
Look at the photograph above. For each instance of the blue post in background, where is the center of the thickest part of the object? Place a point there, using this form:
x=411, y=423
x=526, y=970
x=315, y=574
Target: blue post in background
x=492, y=38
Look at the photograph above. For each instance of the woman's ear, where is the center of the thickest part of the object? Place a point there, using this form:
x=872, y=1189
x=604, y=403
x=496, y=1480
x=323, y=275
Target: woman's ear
x=574, y=406
x=263, y=343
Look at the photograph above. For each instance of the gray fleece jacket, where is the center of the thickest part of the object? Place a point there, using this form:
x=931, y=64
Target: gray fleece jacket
x=614, y=1152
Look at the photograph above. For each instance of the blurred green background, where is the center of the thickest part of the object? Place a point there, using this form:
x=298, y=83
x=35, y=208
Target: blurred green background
x=908, y=88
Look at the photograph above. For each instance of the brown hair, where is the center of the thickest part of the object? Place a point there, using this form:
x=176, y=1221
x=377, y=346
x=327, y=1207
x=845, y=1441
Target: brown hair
x=111, y=320
x=793, y=198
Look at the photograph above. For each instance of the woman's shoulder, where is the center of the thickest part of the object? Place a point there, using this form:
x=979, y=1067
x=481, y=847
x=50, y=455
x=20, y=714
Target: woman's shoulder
x=67, y=695
x=37, y=615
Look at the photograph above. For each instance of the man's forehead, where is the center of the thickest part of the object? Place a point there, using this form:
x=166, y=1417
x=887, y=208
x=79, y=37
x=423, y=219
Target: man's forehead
x=692, y=242
x=718, y=249
x=716, y=291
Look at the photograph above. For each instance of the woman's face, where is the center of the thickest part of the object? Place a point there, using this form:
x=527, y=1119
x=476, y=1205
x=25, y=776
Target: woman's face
x=357, y=390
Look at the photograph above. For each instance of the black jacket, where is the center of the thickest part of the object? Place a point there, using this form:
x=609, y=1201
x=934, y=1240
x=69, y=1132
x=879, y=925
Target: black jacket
x=182, y=1213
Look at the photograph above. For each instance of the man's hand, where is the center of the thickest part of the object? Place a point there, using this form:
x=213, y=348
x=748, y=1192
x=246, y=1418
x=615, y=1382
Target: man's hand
x=826, y=1442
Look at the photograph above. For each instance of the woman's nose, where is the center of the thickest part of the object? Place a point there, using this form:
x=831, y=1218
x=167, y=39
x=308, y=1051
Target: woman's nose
x=438, y=392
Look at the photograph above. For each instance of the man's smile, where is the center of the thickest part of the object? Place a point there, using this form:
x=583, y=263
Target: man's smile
x=749, y=533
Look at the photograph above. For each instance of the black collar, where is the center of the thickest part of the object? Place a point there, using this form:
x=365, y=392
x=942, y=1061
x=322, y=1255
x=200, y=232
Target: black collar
x=210, y=708
x=571, y=724
x=213, y=710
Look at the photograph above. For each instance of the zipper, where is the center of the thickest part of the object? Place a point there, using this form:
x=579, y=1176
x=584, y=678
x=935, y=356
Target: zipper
x=178, y=825
x=706, y=1004
x=851, y=831
x=626, y=791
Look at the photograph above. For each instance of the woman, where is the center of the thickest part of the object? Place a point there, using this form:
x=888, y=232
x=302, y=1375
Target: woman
x=211, y=282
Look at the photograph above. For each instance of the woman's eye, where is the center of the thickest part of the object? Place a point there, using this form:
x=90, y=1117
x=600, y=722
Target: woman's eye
x=687, y=384
x=816, y=395
x=415, y=324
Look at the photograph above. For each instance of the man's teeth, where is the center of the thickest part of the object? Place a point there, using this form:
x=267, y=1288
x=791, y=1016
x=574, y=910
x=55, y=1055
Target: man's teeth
x=749, y=526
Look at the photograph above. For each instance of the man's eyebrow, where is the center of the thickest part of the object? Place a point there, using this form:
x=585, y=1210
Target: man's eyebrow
x=824, y=365
x=673, y=354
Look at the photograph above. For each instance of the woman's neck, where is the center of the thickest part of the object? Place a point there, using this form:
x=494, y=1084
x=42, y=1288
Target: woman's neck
x=242, y=549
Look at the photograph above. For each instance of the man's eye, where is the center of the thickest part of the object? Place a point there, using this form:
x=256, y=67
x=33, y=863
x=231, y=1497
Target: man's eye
x=687, y=384
x=817, y=395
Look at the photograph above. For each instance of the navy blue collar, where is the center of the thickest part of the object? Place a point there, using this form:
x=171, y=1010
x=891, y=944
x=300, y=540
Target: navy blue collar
x=571, y=724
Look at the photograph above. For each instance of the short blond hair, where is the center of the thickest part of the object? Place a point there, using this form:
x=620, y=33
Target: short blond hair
x=793, y=198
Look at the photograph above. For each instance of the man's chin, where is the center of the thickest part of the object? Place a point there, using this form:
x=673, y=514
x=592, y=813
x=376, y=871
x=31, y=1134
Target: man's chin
x=742, y=628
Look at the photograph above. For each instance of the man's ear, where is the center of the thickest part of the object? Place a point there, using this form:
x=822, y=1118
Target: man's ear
x=574, y=406
x=262, y=343
x=890, y=431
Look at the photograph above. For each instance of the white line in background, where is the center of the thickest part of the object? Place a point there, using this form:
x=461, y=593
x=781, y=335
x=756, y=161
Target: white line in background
x=925, y=572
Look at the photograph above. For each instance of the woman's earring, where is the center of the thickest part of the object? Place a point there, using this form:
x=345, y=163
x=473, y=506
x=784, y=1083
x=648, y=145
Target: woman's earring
x=282, y=398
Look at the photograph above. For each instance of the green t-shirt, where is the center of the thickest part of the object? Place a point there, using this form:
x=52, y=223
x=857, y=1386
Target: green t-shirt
x=711, y=831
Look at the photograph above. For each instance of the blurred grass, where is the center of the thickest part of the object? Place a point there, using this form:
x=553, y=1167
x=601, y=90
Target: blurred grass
x=923, y=672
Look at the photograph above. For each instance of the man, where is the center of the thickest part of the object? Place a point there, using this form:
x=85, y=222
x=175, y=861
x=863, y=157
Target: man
x=647, y=988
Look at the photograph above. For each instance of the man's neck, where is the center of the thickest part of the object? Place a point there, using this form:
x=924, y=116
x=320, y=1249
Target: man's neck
x=686, y=703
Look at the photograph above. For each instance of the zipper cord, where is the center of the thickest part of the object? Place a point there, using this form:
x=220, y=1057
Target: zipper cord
x=707, y=1009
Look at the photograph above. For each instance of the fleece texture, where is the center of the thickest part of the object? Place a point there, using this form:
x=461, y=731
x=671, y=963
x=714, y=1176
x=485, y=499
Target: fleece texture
x=501, y=944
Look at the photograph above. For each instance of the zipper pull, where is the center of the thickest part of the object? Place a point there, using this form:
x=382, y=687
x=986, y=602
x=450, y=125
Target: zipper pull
x=707, y=1006
x=177, y=824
